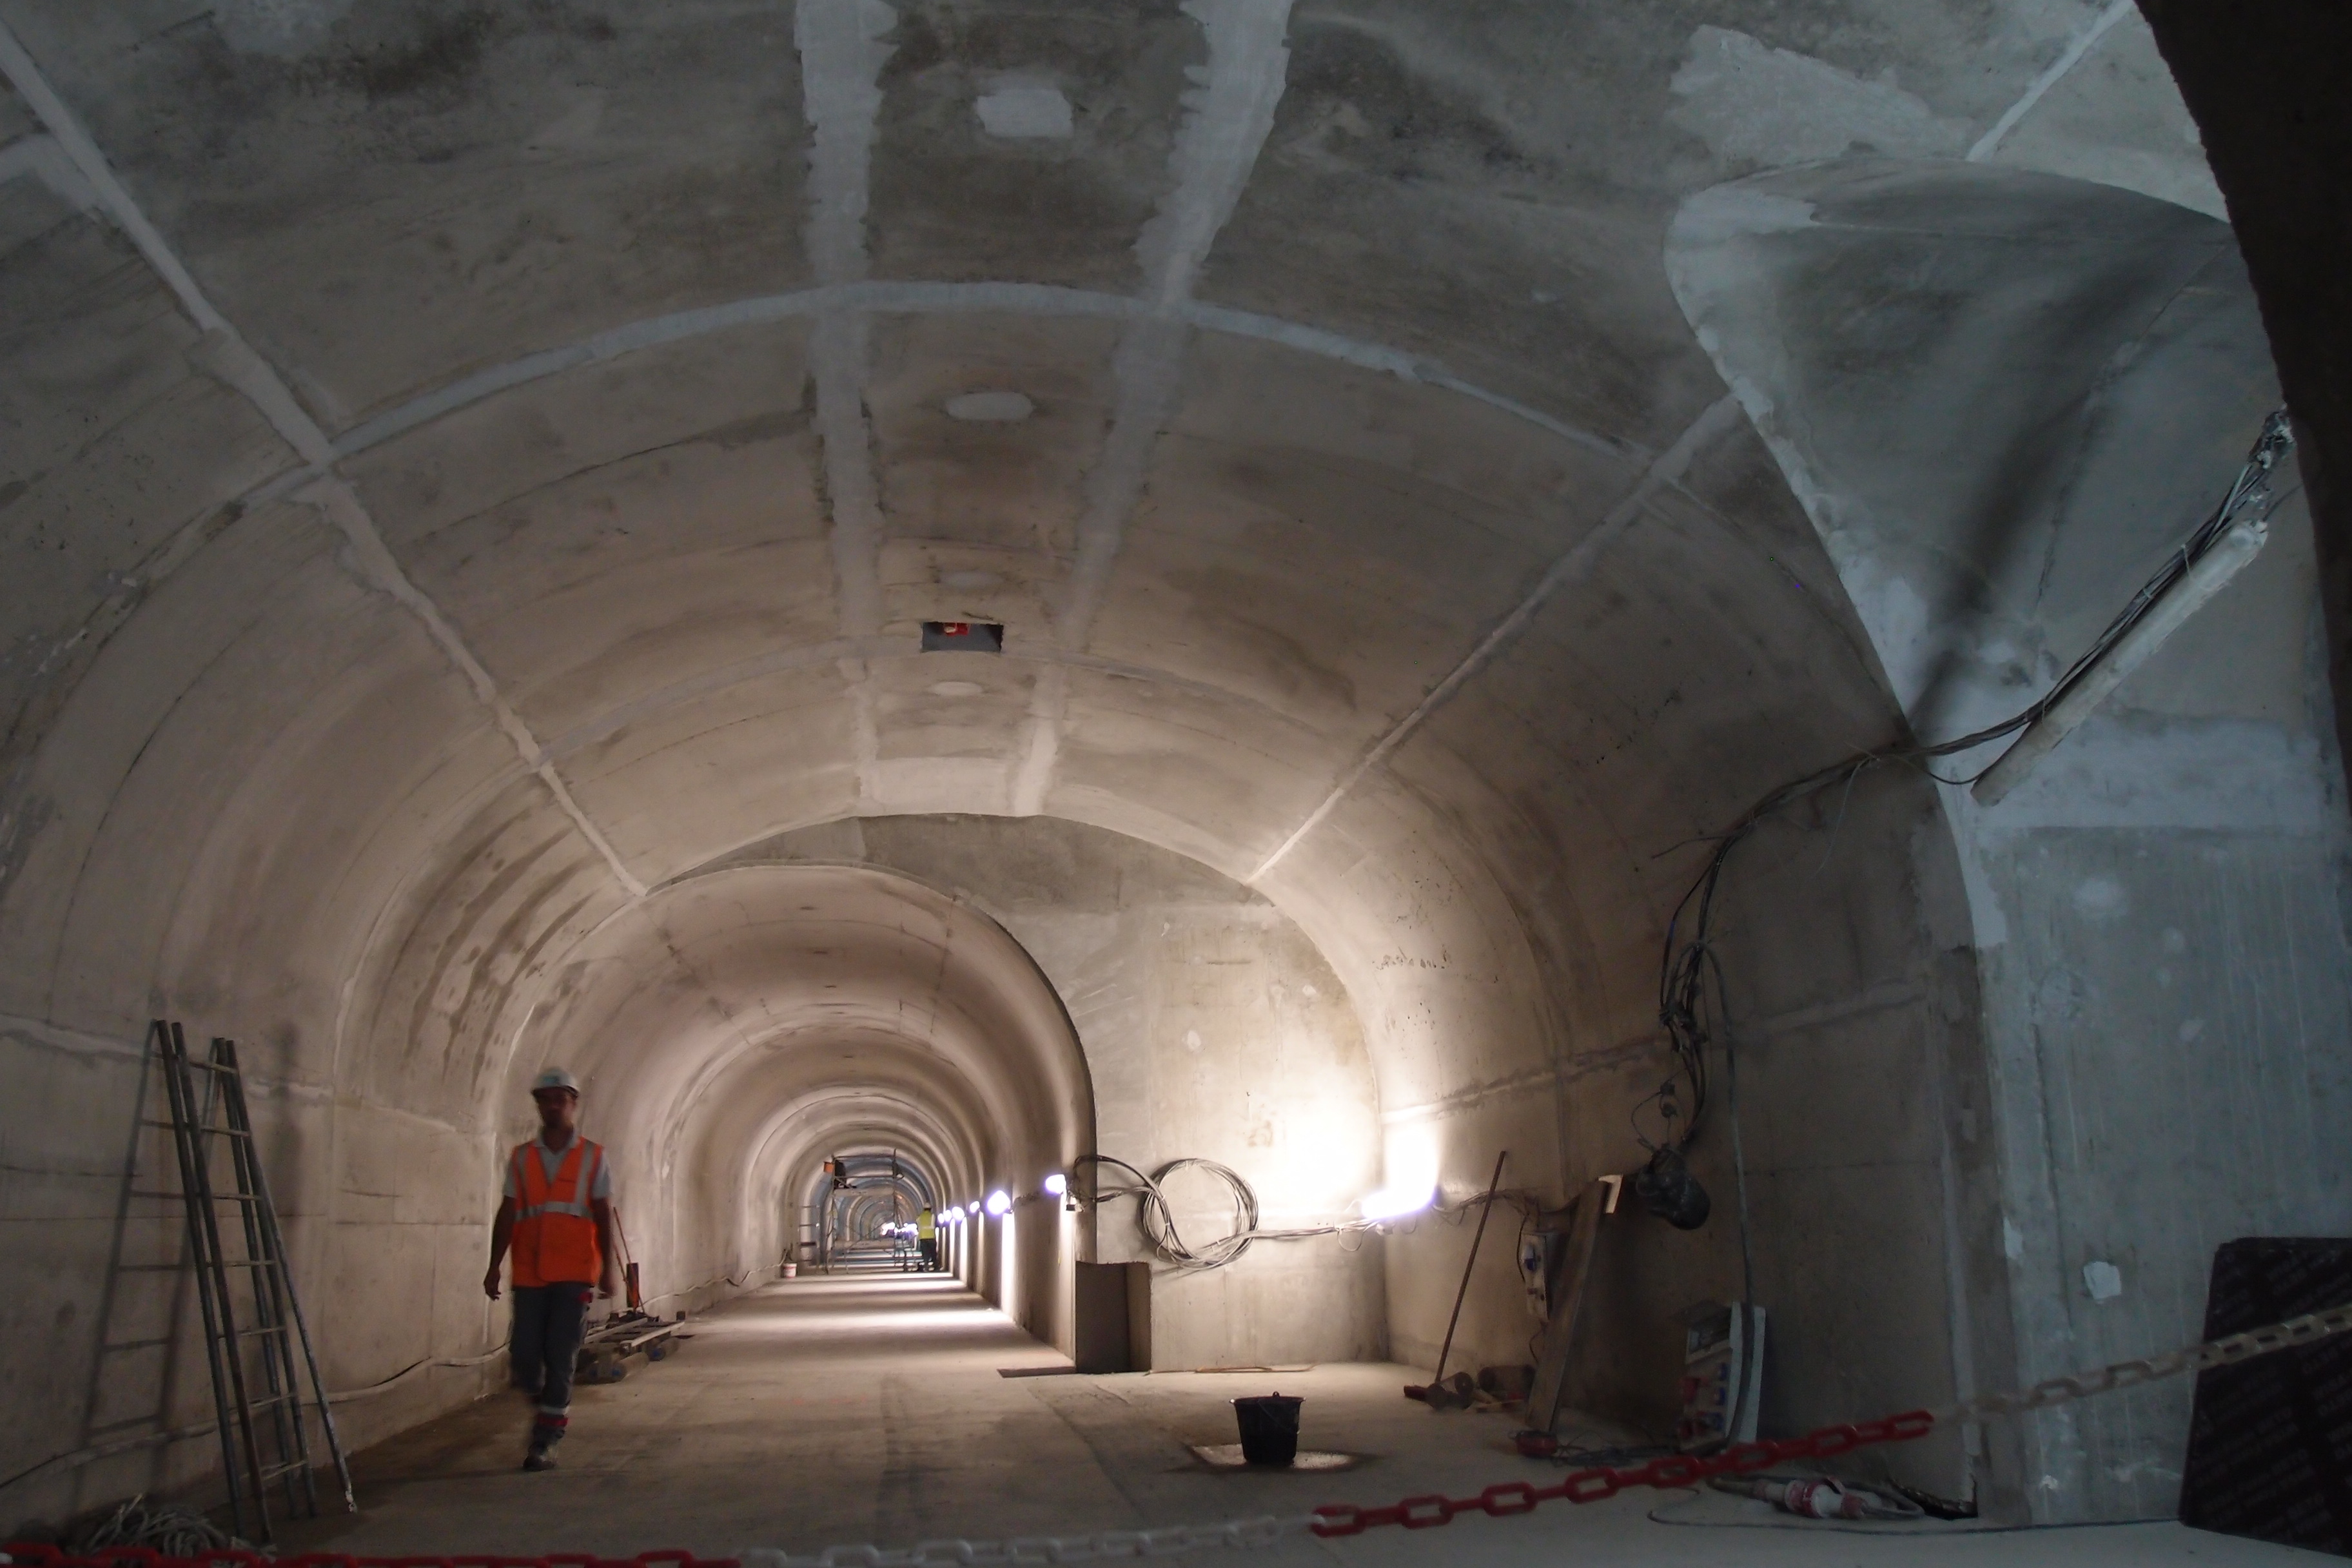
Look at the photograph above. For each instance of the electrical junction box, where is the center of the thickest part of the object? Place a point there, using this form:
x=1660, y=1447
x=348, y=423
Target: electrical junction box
x=1536, y=1253
x=1723, y=1375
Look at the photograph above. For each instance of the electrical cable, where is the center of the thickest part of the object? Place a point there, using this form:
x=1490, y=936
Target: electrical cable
x=73, y=1459
x=1889, y=1529
x=731, y=1280
x=1157, y=1218
x=1687, y=954
x=141, y=1525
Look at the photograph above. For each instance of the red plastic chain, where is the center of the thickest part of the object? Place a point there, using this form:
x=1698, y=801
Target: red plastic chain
x=1508, y=1498
x=36, y=1554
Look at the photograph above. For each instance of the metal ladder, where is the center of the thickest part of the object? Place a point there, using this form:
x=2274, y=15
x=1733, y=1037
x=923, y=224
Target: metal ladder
x=250, y=1334
x=136, y=1363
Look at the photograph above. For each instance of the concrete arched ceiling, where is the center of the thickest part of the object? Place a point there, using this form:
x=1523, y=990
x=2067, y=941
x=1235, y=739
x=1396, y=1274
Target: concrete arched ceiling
x=2003, y=398
x=471, y=468
x=530, y=439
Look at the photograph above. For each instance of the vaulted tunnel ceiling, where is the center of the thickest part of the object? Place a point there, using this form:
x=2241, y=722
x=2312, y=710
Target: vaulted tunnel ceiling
x=508, y=476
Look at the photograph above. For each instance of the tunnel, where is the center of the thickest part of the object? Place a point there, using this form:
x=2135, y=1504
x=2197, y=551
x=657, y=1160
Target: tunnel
x=1297, y=644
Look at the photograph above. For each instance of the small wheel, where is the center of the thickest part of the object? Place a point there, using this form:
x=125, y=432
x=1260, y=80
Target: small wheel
x=655, y=1352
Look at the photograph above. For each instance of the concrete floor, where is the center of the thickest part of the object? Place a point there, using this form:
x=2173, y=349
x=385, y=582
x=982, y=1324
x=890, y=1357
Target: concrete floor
x=870, y=1408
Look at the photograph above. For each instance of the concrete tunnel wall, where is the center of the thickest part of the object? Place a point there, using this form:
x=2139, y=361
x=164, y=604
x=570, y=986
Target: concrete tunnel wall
x=489, y=510
x=2158, y=912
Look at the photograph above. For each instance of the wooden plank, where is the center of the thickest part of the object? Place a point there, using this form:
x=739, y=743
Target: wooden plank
x=1567, y=1302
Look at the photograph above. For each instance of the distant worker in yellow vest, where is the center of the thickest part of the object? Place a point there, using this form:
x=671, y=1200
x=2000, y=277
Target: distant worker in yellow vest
x=927, y=1232
x=557, y=1216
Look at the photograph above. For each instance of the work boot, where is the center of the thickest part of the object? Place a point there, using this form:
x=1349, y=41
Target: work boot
x=545, y=1434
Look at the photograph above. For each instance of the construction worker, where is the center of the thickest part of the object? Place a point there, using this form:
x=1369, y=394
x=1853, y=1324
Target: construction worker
x=927, y=1234
x=557, y=1216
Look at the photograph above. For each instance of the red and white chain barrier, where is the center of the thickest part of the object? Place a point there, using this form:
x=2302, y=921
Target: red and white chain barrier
x=1502, y=1500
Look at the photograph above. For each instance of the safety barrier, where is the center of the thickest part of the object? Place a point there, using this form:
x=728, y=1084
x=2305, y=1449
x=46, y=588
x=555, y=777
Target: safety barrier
x=1505, y=1500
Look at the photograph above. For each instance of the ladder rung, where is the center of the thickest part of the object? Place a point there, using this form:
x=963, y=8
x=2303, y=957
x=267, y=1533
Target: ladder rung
x=217, y=1197
x=210, y=1067
x=150, y=1267
x=256, y=1333
x=221, y=1131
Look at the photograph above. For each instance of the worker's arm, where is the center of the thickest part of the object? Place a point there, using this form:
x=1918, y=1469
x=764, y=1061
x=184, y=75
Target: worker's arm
x=611, y=1283
x=501, y=1232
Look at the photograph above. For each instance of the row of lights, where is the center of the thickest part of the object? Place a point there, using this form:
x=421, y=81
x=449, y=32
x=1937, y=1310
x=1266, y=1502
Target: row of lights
x=1387, y=1203
x=1000, y=1201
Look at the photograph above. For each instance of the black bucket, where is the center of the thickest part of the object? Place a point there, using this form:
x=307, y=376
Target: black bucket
x=1269, y=1427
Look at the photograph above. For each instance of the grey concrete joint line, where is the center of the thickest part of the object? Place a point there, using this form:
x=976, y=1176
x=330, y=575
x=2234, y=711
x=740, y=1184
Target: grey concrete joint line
x=369, y=561
x=895, y=297
x=2057, y=71
x=47, y=1034
x=1718, y=419
x=61, y=1037
x=1226, y=121
x=1559, y=1073
x=45, y=158
x=841, y=56
x=25, y=75
x=225, y=354
x=1883, y=997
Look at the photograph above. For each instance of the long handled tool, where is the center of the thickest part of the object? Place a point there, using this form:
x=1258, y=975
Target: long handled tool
x=1432, y=1395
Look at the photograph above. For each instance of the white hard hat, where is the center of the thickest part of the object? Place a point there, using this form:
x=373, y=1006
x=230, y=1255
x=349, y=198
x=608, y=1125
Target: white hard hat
x=555, y=1078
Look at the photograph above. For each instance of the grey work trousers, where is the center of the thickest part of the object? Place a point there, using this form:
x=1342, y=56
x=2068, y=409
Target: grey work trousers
x=548, y=1320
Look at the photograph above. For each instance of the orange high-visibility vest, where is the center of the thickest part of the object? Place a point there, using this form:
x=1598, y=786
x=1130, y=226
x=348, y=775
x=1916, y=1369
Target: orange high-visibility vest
x=555, y=1230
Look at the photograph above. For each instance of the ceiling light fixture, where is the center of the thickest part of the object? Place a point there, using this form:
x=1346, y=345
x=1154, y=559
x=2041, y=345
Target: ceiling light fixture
x=999, y=1201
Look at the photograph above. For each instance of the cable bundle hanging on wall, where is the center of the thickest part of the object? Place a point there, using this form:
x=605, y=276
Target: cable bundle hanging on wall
x=1688, y=966
x=1157, y=1217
